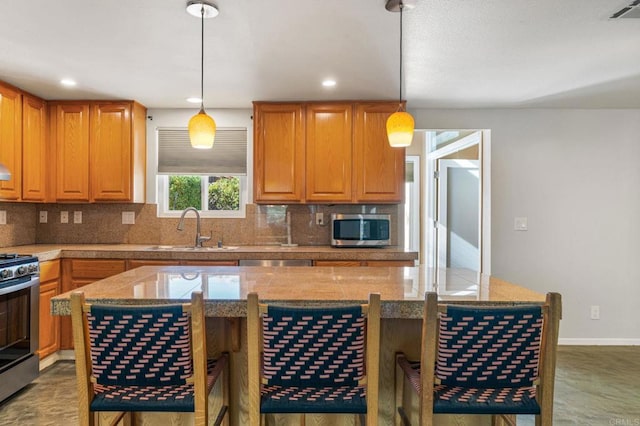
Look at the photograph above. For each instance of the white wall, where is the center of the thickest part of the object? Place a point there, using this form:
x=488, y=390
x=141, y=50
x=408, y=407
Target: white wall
x=576, y=175
x=180, y=118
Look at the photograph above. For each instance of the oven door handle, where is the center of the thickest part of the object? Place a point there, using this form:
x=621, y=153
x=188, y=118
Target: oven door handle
x=18, y=284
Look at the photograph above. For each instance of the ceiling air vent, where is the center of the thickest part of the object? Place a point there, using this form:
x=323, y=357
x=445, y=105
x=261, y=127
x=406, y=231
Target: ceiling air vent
x=632, y=11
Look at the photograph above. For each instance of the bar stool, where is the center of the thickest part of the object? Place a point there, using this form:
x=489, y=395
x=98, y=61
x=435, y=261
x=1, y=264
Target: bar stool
x=498, y=360
x=314, y=359
x=145, y=358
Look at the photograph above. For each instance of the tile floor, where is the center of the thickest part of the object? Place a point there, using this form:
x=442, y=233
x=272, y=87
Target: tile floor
x=595, y=385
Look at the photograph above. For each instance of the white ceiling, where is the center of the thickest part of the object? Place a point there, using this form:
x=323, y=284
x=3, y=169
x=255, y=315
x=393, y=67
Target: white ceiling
x=457, y=53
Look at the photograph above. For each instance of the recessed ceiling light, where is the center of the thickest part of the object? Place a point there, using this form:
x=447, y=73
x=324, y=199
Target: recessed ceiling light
x=329, y=83
x=67, y=82
x=194, y=100
x=194, y=8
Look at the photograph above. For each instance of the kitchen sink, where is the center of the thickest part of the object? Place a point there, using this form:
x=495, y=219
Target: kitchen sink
x=192, y=248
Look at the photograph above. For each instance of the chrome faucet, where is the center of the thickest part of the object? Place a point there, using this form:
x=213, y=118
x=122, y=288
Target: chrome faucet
x=199, y=239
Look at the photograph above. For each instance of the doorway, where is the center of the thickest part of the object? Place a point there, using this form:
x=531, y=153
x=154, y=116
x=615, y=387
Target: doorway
x=456, y=209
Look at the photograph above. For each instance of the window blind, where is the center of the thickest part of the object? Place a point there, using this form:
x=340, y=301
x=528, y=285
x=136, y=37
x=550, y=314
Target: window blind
x=227, y=157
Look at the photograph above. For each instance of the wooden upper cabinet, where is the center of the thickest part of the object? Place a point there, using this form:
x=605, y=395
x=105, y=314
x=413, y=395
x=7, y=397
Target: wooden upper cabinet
x=11, y=141
x=70, y=131
x=278, y=152
x=329, y=130
x=347, y=157
x=110, y=151
x=379, y=168
x=36, y=152
x=101, y=150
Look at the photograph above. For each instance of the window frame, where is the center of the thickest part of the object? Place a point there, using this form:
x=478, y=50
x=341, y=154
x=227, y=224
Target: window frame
x=163, y=198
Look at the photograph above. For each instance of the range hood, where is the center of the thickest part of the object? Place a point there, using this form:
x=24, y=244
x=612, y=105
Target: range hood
x=5, y=174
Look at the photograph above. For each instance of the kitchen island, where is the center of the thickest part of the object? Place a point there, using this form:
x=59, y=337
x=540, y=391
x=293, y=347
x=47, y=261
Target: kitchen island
x=225, y=290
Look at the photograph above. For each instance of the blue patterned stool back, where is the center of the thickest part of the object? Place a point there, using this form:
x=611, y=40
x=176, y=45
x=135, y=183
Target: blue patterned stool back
x=313, y=346
x=489, y=347
x=140, y=345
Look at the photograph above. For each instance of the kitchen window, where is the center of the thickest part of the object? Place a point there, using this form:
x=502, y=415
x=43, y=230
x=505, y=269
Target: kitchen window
x=213, y=181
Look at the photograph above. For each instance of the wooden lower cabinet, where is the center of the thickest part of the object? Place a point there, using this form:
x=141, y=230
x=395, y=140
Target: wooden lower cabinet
x=49, y=325
x=210, y=262
x=134, y=263
x=390, y=263
x=77, y=273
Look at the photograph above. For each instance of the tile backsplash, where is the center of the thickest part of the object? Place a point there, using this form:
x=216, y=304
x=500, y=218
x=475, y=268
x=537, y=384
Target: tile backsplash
x=20, y=228
x=102, y=224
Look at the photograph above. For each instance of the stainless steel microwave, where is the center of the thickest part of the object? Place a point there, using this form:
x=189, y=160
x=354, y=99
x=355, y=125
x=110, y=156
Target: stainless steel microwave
x=360, y=230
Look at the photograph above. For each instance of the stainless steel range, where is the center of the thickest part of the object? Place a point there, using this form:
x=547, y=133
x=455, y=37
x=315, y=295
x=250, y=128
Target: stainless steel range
x=19, y=300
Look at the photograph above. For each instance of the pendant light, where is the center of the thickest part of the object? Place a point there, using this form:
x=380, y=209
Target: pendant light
x=202, y=128
x=400, y=124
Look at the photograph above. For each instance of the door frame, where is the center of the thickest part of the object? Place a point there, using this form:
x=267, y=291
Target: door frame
x=483, y=139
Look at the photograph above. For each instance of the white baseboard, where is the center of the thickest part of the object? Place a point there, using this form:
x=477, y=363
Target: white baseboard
x=65, y=355
x=599, y=342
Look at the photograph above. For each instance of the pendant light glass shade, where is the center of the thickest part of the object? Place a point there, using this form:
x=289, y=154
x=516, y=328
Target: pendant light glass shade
x=400, y=124
x=202, y=128
x=400, y=127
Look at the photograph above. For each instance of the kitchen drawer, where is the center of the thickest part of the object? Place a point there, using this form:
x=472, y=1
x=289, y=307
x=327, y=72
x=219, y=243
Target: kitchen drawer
x=92, y=268
x=49, y=270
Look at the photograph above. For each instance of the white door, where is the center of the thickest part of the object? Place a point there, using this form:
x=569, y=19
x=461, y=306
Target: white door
x=458, y=217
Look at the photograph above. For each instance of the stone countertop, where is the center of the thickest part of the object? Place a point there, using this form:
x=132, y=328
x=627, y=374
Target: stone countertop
x=225, y=288
x=154, y=252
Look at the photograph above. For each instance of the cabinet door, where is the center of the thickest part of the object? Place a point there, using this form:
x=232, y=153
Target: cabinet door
x=66, y=330
x=278, y=153
x=110, y=150
x=49, y=325
x=70, y=128
x=11, y=141
x=49, y=332
x=378, y=167
x=329, y=152
x=35, y=154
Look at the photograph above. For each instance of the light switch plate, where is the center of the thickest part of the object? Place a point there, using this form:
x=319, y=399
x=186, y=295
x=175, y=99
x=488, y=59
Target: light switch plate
x=64, y=217
x=77, y=217
x=3, y=217
x=520, y=224
x=128, y=218
x=43, y=216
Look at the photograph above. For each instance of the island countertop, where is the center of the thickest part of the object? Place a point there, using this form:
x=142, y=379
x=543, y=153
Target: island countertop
x=226, y=288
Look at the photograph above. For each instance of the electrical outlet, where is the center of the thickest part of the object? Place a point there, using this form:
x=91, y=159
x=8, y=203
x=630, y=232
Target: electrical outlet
x=520, y=224
x=43, y=216
x=3, y=217
x=77, y=217
x=64, y=217
x=319, y=218
x=128, y=218
x=595, y=312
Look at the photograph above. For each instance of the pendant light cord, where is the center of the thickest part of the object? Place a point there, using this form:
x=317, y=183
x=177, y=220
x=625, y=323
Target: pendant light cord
x=202, y=57
x=400, y=100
